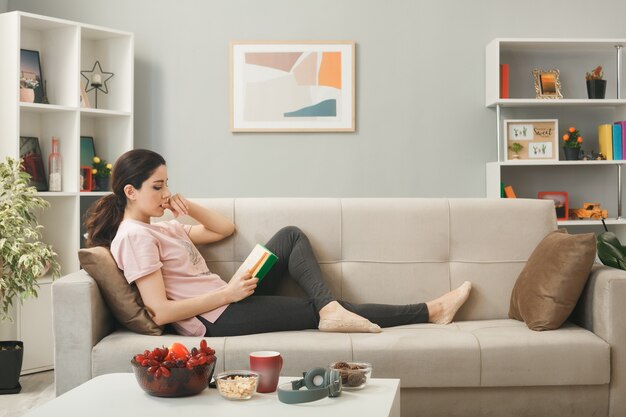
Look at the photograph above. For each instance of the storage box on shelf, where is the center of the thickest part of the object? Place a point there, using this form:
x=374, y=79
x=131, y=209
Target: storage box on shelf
x=583, y=180
x=64, y=48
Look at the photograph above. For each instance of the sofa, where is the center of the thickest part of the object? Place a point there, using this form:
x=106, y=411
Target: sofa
x=399, y=250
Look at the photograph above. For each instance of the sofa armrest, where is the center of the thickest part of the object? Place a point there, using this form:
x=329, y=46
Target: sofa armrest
x=601, y=309
x=80, y=320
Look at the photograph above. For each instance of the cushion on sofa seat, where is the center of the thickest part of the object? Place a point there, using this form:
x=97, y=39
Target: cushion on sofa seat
x=122, y=298
x=550, y=284
x=513, y=355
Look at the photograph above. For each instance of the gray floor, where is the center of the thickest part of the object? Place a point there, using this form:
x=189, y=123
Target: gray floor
x=36, y=389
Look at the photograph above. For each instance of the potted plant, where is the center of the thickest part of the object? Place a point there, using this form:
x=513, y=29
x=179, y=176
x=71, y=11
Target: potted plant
x=23, y=258
x=596, y=84
x=571, y=144
x=27, y=89
x=101, y=171
x=516, y=148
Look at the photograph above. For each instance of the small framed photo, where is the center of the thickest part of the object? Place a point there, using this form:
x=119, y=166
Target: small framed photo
x=31, y=77
x=32, y=162
x=292, y=86
x=85, y=178
x=547, y=84
x=561, y=202
x=531, y=139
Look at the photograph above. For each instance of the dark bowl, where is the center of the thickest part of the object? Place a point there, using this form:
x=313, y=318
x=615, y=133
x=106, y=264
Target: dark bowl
x=182, y=382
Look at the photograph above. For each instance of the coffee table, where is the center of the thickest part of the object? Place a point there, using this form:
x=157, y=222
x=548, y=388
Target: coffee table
x=119, y=395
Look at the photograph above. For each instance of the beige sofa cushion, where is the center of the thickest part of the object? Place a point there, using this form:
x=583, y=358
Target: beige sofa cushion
x=513, y=355
x=550, y=284
x=122, y=298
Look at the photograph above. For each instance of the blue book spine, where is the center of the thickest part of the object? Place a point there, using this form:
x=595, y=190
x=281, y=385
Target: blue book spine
x=617, y=142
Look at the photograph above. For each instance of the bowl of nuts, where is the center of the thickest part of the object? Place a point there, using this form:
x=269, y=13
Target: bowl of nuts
x=354, y=375
x=237, y=385
x=174, y=371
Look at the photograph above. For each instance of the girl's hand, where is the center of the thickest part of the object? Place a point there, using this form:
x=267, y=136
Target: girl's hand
x=177, y=204
x=242, y=286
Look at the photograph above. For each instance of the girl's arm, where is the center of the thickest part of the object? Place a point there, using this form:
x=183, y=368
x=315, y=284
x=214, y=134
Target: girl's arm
x=166, y=311
x=213, y=226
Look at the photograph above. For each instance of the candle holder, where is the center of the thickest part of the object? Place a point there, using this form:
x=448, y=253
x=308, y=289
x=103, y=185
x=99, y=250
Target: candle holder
x=97, y=80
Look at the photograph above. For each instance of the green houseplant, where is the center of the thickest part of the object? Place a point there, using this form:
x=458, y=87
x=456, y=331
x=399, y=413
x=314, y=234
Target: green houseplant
x=101, y=170
x=516, y=148
x=23, y=258
x=571, y=144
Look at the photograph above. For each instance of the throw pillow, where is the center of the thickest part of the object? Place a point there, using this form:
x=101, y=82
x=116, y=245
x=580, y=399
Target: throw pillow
x=122, y=298
x=550, y=284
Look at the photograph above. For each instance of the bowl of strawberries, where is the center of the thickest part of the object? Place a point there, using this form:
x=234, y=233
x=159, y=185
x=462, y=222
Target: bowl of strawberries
x=174, y=371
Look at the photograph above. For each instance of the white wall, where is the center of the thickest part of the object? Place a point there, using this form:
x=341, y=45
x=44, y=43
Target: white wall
x=422, y=128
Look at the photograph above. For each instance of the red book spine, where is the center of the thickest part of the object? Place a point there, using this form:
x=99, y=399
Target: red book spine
x=504, y=80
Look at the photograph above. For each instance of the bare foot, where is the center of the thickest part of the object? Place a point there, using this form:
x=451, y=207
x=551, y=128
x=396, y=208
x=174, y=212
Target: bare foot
x=335, y=318
x=443, y=309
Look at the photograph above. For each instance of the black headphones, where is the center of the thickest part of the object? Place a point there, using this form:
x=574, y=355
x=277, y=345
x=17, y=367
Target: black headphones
x=320, y=383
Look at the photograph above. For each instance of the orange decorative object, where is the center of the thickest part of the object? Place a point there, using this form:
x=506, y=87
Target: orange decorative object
x=87, y=179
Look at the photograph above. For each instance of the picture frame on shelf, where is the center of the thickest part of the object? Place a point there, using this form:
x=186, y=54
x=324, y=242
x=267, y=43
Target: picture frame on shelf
x=32, y=162
x=547, y=84
x=538, y=139
x=292, y=86
x=86, y=178
x=561, y=202
x=31, y=77
x=87, y=150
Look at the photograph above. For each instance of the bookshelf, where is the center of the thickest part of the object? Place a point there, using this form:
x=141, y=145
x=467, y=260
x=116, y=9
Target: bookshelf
x=65, y=48
x=585, y=181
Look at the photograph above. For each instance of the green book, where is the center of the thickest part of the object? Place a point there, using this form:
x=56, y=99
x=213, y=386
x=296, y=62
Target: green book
x=259, y=262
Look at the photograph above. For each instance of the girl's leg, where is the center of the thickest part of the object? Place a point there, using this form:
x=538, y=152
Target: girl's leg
x=262, y=314
x=296, y=259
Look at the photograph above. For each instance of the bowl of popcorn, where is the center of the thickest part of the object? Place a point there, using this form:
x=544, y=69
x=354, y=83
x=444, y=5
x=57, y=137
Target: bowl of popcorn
x=354, y=375
x=237, y=385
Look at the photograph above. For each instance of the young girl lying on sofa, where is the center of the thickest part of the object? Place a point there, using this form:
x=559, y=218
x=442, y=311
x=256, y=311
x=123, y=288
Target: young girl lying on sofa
x=177, y=287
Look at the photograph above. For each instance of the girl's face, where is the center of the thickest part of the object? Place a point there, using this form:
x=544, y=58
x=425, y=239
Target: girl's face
x=152, y=196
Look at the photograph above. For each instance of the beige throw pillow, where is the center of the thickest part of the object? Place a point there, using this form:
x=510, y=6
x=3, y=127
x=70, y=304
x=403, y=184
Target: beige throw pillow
x=550, y=284
x=122, y=298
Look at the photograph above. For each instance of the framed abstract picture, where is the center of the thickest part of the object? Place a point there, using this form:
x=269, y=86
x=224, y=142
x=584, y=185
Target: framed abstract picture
x=292, y=86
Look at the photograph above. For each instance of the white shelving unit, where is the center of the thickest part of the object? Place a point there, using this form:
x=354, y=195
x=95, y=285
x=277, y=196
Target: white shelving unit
x=598, y=181
x=65, y=48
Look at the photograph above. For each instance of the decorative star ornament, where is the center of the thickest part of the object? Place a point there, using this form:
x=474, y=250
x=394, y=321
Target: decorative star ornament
x=105, y=76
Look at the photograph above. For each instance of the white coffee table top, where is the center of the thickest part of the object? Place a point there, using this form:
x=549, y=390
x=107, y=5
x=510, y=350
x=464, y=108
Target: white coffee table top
x=119, y=395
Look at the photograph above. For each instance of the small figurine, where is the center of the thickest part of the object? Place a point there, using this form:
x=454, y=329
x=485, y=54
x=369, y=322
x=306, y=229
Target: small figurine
x=589, y=211
x=584, y=156
x=598, y=156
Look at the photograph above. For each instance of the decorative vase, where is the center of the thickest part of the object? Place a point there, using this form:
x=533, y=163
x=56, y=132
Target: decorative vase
x=515, y=156
x=596, y=88
x=102, y=183
x=11, y=355
x=27, y=95
x=571, y=154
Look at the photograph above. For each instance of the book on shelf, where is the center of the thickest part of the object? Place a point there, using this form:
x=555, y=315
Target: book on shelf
x=508, y=191
x=617, y=142
x=504, y=80
x=623, y=130
x=258, y=262
x=605, y=141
